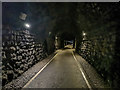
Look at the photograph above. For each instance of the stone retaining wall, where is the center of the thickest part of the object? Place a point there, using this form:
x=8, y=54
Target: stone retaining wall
x=99, y=51
x=19, y=53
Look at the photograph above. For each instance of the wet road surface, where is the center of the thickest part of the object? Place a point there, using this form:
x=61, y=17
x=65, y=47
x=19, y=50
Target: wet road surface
x=62, y=72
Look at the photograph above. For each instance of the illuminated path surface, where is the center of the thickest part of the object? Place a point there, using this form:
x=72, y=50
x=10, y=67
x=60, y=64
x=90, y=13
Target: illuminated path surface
x=62, y=72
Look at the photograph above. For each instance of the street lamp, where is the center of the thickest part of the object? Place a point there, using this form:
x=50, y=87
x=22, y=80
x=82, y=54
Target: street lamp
x=27, y=25
x=84, y=34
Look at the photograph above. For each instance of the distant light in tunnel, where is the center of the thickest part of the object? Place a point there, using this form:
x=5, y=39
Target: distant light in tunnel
x=84, y=34
x=56, y=37
x=27, y=25
x=49, y=33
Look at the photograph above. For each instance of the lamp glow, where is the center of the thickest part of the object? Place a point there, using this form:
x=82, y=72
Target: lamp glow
x=84, y=34
x=27, y=25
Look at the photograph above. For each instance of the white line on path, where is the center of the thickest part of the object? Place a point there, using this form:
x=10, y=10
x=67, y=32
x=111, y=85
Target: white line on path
x=39, y=72
x=81, y=70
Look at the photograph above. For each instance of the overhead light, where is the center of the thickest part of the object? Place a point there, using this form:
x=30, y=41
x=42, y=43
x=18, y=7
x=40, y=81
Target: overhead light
x=84, y=34
x=27, y=25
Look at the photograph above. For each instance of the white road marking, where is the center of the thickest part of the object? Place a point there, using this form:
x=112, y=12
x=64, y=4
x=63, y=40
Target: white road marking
x=39, y=72
x=81, y=70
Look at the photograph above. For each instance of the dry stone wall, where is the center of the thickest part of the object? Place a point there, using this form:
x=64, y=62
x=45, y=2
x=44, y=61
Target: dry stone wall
x=19, y=53
x=99, y=51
